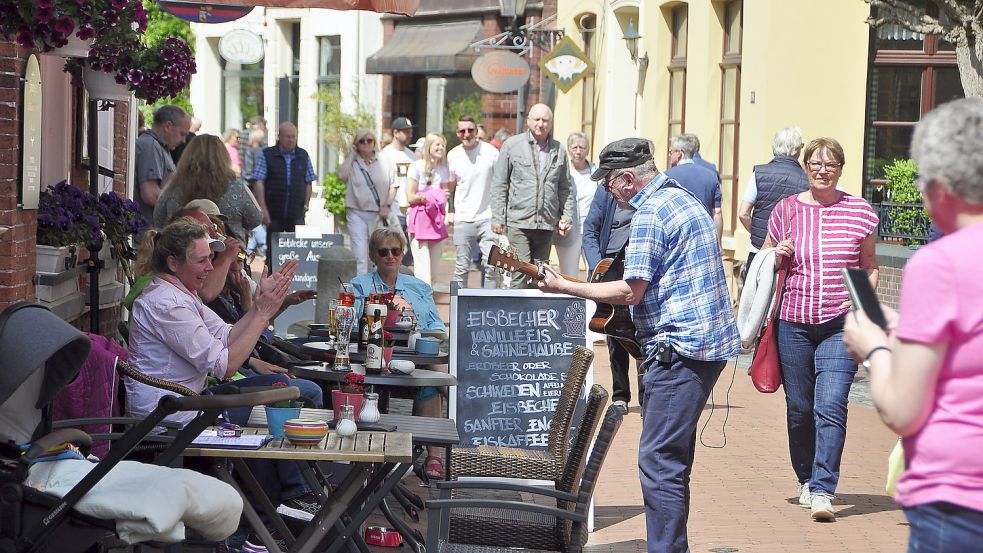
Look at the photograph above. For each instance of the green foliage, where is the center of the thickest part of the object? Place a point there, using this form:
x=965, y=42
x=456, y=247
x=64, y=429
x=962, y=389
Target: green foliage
x=334, y=190
x=466, y=105
x=901, y=175
x=162, y=25
x=339, y=126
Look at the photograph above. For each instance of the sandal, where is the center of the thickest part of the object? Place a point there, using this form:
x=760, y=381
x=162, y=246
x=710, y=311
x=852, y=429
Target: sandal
x=434, y=467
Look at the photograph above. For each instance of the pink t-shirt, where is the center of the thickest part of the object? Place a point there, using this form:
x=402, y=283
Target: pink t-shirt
x=942, y=302
x=826, y=238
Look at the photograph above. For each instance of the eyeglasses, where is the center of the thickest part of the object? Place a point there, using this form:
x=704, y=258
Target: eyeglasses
x=610, y=182
x=385, y=252
x=367, y=141
x=820, y=165
x=467, y=131
x=242, y=255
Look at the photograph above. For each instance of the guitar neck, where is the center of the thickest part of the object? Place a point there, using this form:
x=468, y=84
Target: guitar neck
x=502, y=261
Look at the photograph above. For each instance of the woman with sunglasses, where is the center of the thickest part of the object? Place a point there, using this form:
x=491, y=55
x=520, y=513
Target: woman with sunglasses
x=819, y=232
x=428, y=183
x=370, y=195
x=386, y=247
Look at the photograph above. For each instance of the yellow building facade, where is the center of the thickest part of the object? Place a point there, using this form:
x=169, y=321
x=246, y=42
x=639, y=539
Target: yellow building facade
x=732, y=72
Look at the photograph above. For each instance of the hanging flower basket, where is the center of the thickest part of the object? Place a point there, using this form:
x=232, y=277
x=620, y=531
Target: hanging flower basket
x=56, y=259
x=76, y=48
x=103, y=86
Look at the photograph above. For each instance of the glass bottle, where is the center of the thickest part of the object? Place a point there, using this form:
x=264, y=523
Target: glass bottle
x=346, y=426
x=345, y=320
x=375, y=345
x=370, y=409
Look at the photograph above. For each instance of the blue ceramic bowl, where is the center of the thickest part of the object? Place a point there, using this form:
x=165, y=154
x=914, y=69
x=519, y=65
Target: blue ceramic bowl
x=427, y=345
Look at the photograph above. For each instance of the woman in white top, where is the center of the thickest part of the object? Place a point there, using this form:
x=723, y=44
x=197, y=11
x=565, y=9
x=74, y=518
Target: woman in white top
x=569, y=248
x=369, y=197
x=427, y=183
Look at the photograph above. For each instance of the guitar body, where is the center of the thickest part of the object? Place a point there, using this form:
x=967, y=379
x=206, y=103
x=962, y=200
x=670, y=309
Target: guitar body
x=612, y=320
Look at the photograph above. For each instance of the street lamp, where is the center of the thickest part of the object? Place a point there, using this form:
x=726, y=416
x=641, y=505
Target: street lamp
x=631, y=39
x=512, y=8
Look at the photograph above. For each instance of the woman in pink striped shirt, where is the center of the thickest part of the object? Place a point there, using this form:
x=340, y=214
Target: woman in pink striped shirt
x=820, y=231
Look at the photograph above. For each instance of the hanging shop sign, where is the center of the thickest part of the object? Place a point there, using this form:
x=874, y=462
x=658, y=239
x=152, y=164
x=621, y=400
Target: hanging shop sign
x=403, y=7
x=566, y=64
x=198, y=12
x=241, y=46
x=500, y=71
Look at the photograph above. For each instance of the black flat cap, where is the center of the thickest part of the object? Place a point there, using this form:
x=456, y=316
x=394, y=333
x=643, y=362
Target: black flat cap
x=401, y=123
x=627, y=152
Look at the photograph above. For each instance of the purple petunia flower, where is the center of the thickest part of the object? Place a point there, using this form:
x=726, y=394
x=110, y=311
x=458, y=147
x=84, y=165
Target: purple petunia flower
x=135, y=76
x=65, y=25
x=120, y=4
x=44, y=15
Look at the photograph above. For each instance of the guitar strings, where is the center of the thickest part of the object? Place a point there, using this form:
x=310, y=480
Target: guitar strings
x=713, y=406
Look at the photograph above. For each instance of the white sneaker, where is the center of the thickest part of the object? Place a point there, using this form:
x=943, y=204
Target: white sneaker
x=621, y=403
x=822, y=508
x=805, y=496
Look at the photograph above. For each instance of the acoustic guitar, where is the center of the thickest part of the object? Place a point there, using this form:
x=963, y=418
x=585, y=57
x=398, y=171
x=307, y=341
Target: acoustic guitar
x=612, y=320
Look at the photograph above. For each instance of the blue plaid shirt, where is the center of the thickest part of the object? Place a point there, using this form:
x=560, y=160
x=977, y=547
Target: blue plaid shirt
x=674, y=248
x=259, y=170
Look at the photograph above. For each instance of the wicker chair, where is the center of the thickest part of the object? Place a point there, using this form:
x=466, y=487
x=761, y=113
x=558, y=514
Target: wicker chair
x=513, y=462
x=523, y=524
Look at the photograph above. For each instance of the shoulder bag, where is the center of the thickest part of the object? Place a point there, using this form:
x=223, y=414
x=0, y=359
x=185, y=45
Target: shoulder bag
x=766, y=368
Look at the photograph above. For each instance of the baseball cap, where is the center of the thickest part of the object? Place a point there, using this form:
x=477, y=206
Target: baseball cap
x=206, y=206
x=418, y=145
x=401, y=123
x=627, y=152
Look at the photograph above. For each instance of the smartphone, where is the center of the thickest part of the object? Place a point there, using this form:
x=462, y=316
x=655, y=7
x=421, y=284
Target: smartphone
x=863, y=296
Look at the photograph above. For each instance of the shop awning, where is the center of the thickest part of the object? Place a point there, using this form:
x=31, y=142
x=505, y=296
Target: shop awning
x=437, y=49
x=404, y=7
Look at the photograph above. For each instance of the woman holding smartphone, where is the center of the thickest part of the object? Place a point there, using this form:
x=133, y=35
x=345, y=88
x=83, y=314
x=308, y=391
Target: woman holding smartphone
x=819, y=232
x=926, y=371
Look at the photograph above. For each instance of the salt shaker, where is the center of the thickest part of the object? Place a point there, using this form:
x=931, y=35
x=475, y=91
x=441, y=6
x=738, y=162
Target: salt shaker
x=414, y=334
x=370, y=409
x=346, y=425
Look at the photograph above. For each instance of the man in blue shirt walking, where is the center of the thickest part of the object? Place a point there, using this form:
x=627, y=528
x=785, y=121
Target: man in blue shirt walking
x=674, y=282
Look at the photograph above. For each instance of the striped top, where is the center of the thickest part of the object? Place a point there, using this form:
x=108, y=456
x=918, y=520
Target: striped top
x=825, y=239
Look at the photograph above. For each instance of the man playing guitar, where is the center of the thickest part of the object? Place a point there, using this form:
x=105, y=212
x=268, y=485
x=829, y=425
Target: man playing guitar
x=674, y=282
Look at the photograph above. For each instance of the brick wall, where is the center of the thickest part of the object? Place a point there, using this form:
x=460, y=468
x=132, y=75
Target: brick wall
x=892, y=260
x=17, y=245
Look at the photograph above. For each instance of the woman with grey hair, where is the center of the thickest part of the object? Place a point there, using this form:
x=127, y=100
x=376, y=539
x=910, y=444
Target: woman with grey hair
x=781, y=177
x=926, y=368
x=370, y=195
x=569, y=248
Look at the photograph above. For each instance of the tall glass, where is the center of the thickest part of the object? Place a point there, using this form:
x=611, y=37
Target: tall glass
x=344, y=321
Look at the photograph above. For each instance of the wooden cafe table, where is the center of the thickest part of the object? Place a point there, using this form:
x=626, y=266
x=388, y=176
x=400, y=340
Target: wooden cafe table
x=378, y=460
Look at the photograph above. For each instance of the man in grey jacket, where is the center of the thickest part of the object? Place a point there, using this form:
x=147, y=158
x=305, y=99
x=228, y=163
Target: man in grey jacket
x=530, y=191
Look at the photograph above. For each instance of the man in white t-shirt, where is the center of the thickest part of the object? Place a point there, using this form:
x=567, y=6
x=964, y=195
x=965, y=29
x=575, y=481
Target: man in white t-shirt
x=471, y=165
x=399, y=156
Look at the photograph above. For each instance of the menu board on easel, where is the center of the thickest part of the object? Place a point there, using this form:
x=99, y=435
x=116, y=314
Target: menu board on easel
x=510, y=352
x=306, y=251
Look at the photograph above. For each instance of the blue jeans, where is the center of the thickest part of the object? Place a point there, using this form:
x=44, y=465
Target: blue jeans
x=674, y=398
x=281, y=480
x=944, y=528
x=817, y=373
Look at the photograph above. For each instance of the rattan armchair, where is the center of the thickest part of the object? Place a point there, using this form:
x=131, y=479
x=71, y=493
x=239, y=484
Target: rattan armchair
x=521, y=524
x=513, y=462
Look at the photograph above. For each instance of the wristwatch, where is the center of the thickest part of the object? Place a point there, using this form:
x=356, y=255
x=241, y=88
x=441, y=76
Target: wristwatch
x=866, y=363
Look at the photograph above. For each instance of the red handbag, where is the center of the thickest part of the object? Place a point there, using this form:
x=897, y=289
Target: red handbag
x=766, y=370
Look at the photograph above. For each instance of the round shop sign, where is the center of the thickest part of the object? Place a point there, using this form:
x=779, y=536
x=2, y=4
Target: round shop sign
x=500, y=71
x=241, y=46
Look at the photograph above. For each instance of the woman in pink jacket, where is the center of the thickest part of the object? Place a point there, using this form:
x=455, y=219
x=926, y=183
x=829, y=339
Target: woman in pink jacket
x=428, y=182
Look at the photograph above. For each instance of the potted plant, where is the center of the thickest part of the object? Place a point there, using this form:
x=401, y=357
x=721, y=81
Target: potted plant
x=151, y=72
x=280, y=412
x=67, y=218
x=71, y=25
x=350, y=392
x=120, y=218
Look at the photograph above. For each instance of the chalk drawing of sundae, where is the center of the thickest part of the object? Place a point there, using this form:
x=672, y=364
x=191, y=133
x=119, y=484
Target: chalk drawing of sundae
x=575, y=320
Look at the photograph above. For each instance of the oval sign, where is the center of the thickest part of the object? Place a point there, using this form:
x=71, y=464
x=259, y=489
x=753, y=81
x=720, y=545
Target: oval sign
x=500, y=71
x=241, y=46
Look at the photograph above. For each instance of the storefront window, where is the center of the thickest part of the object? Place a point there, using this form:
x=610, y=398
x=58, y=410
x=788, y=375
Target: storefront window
x=677, y=72
x=242, y=96
x=730, y=113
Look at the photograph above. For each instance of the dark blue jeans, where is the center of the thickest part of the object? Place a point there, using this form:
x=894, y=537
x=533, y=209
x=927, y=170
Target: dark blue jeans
x=281, y=480
x=817, y=373
x=674, y=398
x=944, y=528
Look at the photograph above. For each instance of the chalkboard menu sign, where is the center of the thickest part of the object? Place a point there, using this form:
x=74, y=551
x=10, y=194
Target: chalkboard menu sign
x=510, y=351
x=307, y=251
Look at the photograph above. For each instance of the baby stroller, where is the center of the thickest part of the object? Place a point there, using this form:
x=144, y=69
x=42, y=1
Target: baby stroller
x=39, y=355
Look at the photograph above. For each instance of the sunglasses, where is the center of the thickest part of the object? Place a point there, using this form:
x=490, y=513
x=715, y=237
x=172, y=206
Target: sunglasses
x=367, y=141
x=467, y=131
x=384, y=252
